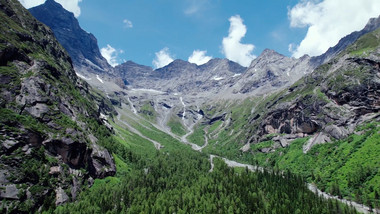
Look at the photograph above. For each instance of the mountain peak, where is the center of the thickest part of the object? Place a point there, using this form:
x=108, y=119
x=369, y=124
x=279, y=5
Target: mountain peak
x=373, y=23
x=270, y=52
x=54, y=7
x=67, y=30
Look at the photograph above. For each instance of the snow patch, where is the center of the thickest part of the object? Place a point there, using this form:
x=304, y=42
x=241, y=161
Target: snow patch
x=148, y=90
x=100, y=80
x=236, y=75
x=199, y=115
x=218, y=78
x=82, y=77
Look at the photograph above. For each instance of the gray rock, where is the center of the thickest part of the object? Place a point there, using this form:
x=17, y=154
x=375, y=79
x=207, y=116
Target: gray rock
x=265, y=150
x=9, y=192
x=101, y=162
x=38, y=110
x=60, y=196
x=246, y=147
x=336, y=132
x=4, y=176
x=55, y=170
x=10, y=144
x=319, y=138
x=75, y=188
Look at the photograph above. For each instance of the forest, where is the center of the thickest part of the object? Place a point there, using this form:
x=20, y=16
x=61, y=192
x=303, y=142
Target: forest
x=179, y=181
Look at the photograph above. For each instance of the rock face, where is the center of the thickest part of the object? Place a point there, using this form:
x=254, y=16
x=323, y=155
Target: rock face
x=81, y=46
x=132, y=73
x=330, y=102
x=181, y=76
x=271, y=71
x=48, y=116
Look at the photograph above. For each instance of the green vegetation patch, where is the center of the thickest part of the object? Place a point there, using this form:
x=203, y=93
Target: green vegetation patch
x=198, y=136
x=148, y=112
x=176, y=127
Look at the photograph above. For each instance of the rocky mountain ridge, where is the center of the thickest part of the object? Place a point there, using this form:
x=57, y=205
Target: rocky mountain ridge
x=51, y=121
x=269, y=72
x=81, y=45
x=329, y=103
x=272, y=71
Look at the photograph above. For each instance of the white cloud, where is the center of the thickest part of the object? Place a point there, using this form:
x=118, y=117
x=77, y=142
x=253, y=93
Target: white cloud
x=232, y=48
x=195, y=6
x=328, y=21
x=70, y=5
x=110, y=54
x=163, y=58
x=291, y=48
x=31, y=3
x=127, y=23
x=199, y=57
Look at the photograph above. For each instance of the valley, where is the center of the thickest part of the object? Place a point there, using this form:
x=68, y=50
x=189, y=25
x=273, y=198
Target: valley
x=283, y=135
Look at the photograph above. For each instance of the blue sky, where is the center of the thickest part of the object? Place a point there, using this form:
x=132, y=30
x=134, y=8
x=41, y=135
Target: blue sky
x=155, y=32
x=185, y=26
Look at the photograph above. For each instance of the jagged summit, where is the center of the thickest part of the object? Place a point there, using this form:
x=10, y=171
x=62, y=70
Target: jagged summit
x=223, y=63
x=81, y=45
x=268, y=51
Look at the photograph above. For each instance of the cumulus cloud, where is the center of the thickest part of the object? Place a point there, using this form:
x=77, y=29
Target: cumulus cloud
x=233, y=49
x=127, y=23
x=70, y=5
x=199, y=57
x=163, y=58
x=328, y=21
x=110, y=54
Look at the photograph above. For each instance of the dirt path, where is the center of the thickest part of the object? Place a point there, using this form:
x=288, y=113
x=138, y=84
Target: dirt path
x=212, y=162
x=231, y=163
x=359, y=207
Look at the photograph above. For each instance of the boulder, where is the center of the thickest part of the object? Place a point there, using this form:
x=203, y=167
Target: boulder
x=101, y=162
x=336, y=132
x=9, y=192
x=60, y=196
x=319, y=138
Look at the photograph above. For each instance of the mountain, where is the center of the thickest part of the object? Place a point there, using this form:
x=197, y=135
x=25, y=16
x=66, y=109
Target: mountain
x=316, y=117
x=132, y=73
x=52, y=124
x=324, y=127
x=272, y=71
x=181, y=76
x=81, y=45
